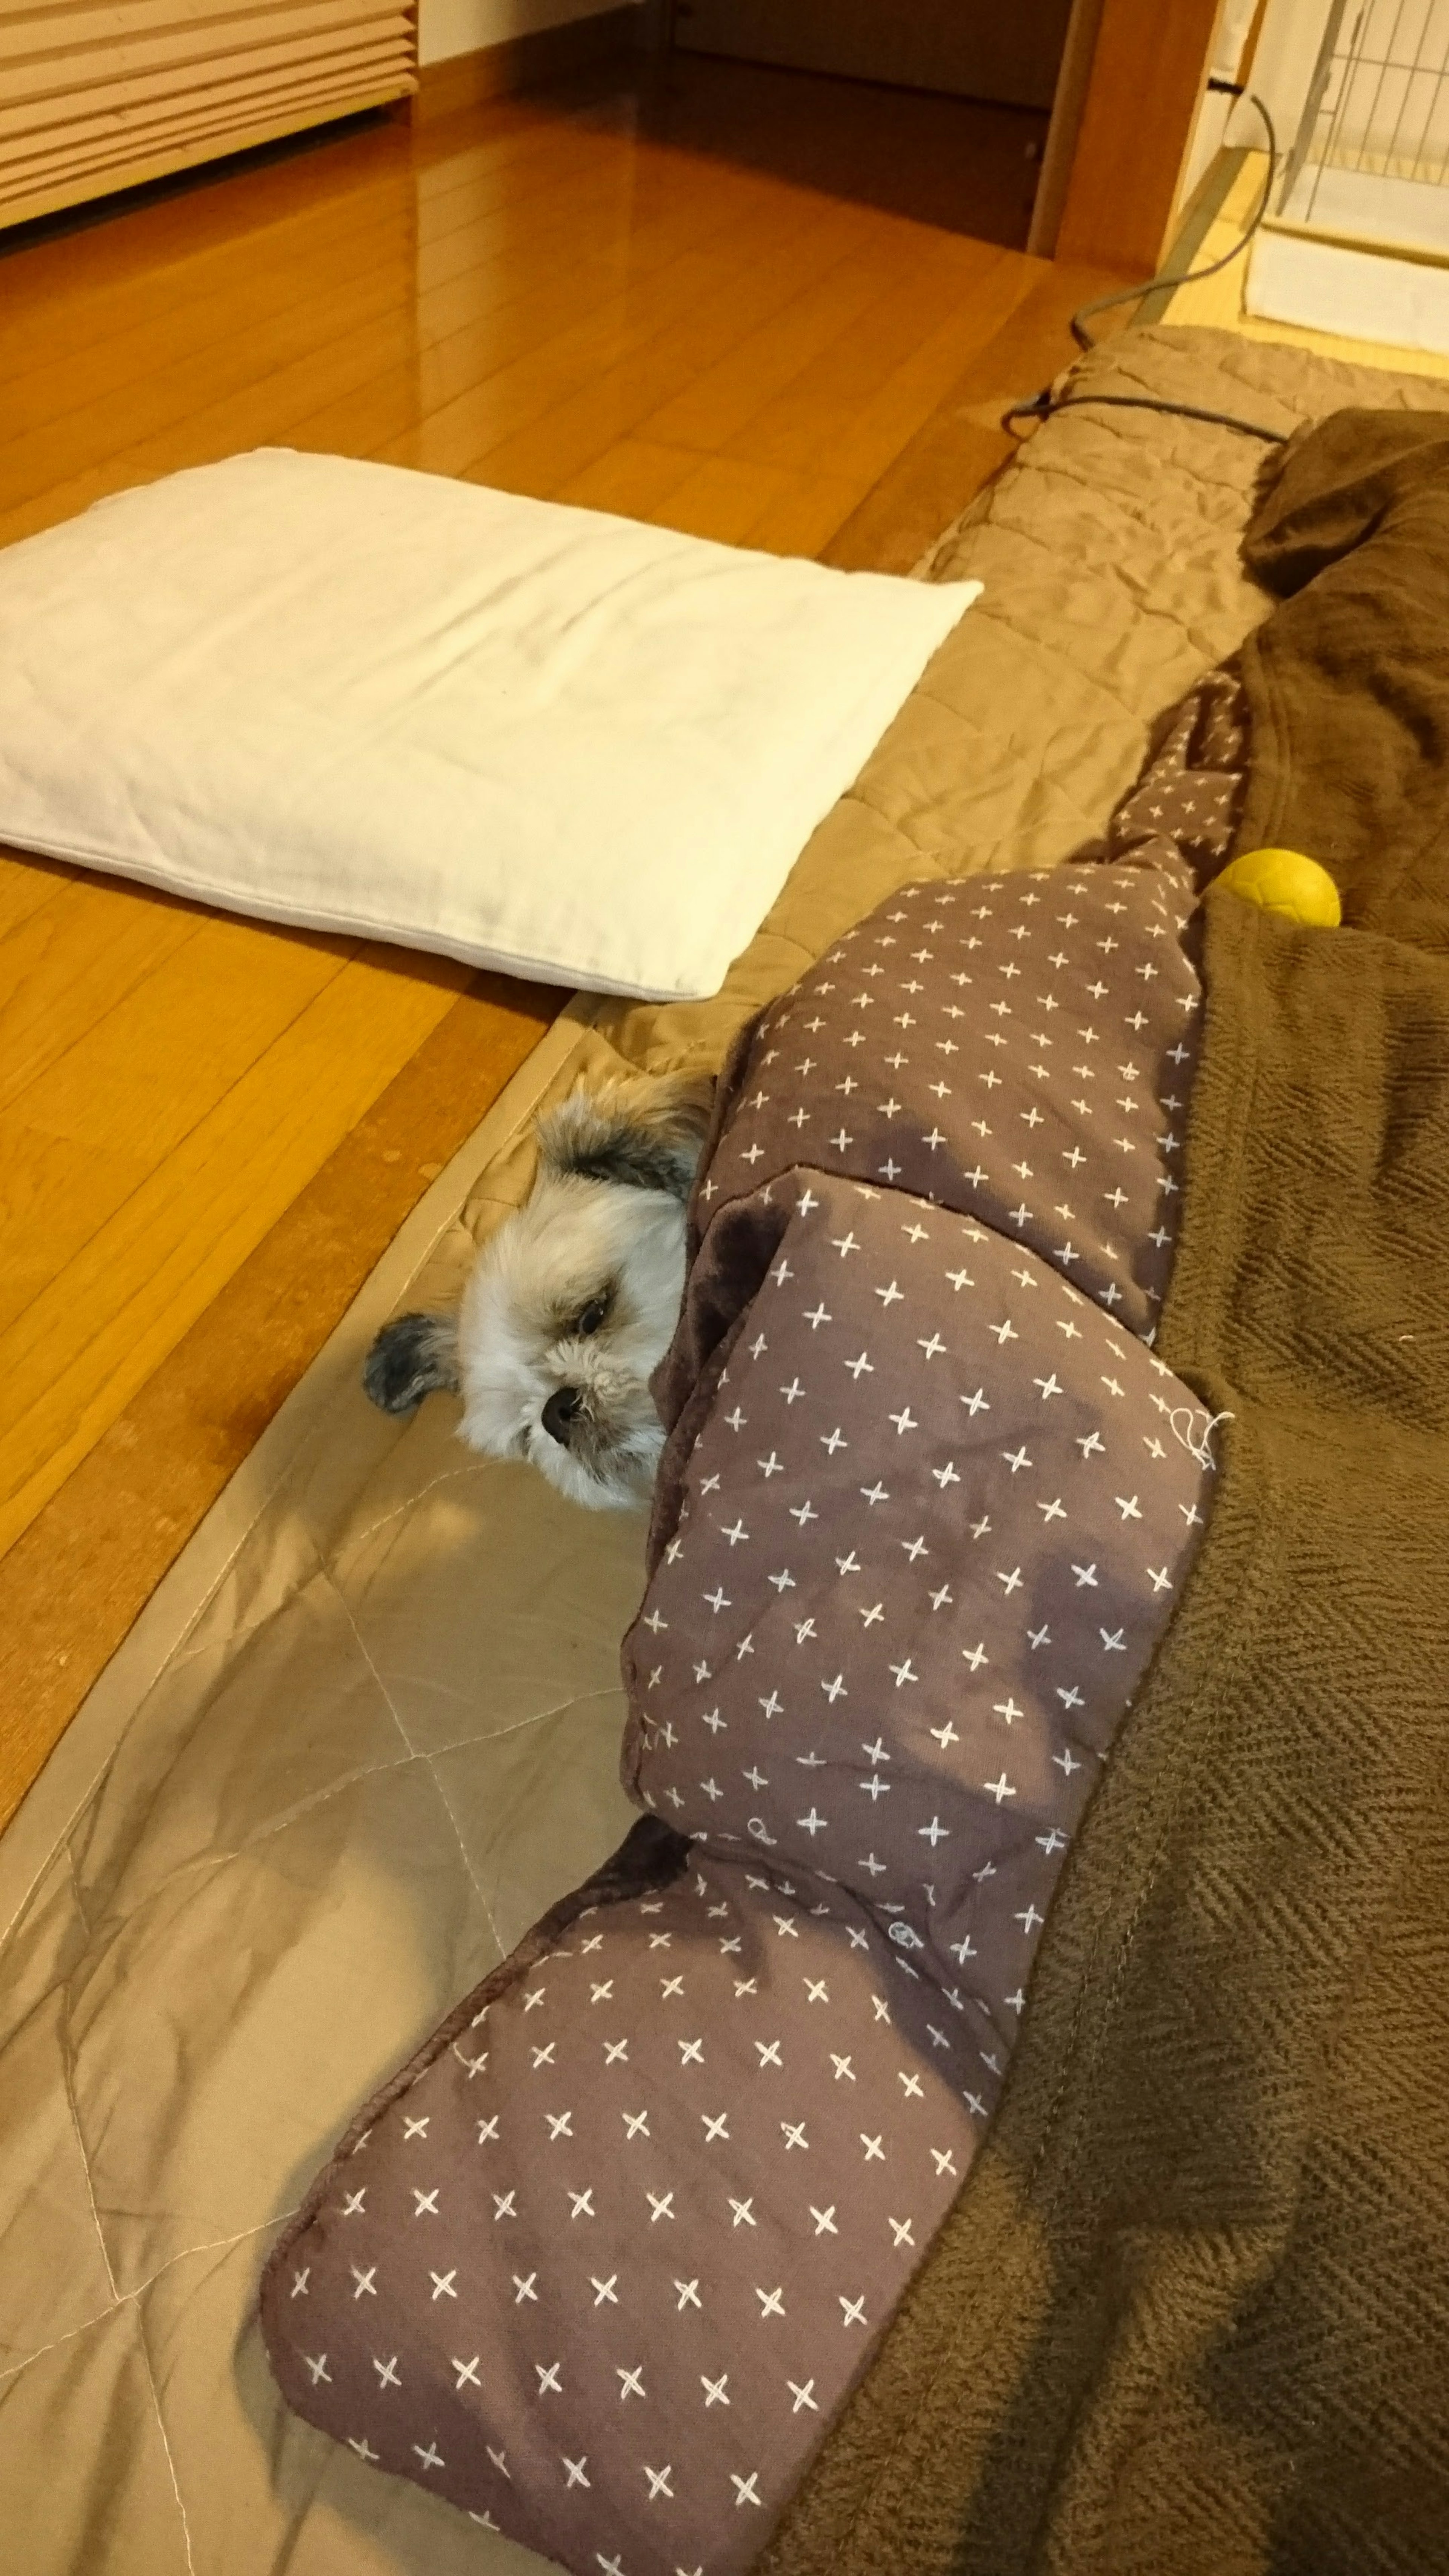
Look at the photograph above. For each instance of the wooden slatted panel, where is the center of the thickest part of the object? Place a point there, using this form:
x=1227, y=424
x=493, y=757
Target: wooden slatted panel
x=96, y=98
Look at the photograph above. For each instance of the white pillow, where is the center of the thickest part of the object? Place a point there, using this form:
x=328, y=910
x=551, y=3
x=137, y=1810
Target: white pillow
x=375, y=701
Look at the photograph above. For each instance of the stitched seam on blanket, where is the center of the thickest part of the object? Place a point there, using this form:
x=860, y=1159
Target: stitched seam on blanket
x=407, y=1759
x=212, y=2245
x=358, y=1540
x=396, y=1715
x=68, y=2078
x=165, y=2440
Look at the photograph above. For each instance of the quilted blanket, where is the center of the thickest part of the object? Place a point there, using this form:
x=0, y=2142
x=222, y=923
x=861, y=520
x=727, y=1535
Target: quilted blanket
x=609, y=2257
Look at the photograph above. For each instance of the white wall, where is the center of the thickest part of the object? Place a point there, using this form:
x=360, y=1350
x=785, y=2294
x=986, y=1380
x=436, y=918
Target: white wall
x=1216, y=112
x=448, y=27
x=1283, y=68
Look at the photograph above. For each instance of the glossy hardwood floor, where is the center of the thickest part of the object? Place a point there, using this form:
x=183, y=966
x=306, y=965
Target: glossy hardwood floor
x=710, y=305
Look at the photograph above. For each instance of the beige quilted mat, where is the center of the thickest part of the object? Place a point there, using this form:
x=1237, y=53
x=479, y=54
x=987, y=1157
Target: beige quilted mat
x=369, y=1726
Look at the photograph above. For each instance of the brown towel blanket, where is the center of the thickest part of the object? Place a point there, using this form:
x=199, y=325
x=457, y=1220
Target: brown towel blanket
x=1190, y=2317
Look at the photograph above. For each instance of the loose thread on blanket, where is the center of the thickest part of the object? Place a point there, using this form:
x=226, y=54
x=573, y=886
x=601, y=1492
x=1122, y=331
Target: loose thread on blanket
x=1198, y=1444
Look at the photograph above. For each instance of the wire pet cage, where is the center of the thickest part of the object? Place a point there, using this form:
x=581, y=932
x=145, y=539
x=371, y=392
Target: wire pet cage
x=1358, y=240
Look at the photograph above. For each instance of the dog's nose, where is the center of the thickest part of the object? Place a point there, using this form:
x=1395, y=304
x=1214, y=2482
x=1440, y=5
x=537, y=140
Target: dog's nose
x=559, y=1412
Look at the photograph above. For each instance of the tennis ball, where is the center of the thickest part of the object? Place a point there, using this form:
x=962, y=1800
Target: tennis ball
x=1283, y=881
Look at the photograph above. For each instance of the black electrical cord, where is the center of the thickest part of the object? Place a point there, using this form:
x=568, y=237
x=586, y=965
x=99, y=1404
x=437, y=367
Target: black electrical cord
x=1041, y=406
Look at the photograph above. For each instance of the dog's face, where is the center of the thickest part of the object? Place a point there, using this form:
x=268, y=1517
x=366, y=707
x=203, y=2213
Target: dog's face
x=572, y=1304
x=568, y=1312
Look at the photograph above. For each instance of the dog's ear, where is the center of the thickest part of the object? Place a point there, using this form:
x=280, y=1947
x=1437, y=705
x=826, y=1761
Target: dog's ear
x=646, y=1132
x=412, y=1356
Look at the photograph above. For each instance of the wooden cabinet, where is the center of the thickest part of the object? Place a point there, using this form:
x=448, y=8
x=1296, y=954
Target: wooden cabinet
x=102, y=96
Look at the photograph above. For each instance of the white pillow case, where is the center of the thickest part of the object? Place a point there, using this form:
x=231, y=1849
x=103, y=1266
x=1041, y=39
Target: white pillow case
x=531, y=737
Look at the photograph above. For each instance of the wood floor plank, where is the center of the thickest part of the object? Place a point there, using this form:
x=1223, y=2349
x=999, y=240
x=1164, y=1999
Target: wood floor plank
x=961, y=444
x=631, y=477
x=717, y=401
x=25, y=885
x=123, y=1097
x=851, y=369
x=57, y=449
x=181, y=1232
x=69, y=962
x=145, y=390
x=230, y=304
x=680, y=315
x=206, y=243
x=802, y=517
x=141, y=1071
x=723, y=498
x=518, y=304
x=861, y=445
x=679, y=327
x=377, y=415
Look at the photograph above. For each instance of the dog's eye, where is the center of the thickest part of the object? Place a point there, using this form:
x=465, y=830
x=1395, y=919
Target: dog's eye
x=592, y=1316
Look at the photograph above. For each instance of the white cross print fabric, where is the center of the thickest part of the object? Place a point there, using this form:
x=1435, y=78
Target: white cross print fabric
x=919, y=1556
x=607, y=2269
x=1020, y=1048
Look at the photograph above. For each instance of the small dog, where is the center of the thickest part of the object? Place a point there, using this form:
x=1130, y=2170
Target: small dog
x=573, y=1302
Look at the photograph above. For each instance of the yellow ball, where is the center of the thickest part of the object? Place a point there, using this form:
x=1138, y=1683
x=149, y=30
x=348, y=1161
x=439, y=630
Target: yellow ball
x=1283, y=881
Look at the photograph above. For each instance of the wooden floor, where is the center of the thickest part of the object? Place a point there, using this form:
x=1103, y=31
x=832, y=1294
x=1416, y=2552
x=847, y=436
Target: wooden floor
x=712, y=306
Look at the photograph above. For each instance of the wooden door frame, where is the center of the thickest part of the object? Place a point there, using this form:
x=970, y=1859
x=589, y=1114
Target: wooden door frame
x=1128, y=95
